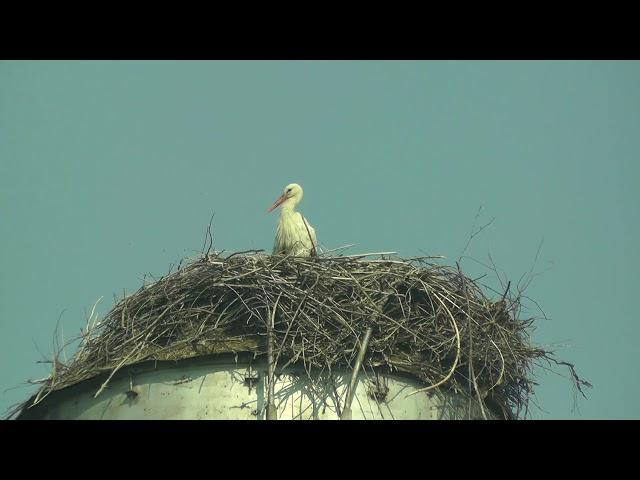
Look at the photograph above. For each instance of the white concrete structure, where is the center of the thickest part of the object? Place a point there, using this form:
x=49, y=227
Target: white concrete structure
x=219, y=387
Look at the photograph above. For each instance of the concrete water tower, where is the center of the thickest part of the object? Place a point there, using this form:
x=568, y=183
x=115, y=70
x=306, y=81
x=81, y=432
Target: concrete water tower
x=227, y=386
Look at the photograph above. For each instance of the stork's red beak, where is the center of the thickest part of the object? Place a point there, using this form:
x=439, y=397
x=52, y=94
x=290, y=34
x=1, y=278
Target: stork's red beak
x=278, y=202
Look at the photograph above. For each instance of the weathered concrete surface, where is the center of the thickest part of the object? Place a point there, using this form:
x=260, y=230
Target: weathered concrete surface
x=226, y=387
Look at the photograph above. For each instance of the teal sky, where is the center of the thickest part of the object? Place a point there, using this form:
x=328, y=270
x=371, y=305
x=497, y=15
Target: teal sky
x=110, y=170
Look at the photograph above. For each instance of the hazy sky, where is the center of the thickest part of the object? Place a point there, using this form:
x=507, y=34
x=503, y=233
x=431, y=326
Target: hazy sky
x=110, y=170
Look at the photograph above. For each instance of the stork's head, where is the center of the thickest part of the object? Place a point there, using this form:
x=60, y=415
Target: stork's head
x=291, y=196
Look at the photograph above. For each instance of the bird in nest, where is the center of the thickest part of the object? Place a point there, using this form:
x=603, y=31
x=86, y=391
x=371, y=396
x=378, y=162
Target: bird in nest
x=294, y=235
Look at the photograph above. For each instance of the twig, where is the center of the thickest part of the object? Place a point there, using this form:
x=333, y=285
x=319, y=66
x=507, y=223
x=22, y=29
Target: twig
x=208, y=237
x=455, y=363
x=346, y=412
x=272, y=413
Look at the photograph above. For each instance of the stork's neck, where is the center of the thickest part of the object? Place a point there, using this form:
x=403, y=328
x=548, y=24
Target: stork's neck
x=288, y=207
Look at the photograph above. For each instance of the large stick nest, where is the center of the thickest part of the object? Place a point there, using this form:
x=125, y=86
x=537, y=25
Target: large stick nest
x=428, y=320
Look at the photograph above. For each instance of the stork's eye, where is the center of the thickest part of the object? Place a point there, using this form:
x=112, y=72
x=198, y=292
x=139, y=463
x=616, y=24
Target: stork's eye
x=288, y=190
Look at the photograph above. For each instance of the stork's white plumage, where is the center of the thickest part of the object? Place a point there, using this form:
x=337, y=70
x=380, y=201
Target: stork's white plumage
x=294, y=235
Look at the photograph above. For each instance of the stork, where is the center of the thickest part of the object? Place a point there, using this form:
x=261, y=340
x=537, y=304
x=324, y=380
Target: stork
x=294, y=234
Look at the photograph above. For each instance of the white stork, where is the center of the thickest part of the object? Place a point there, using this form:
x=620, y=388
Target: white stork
x=294, y=234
